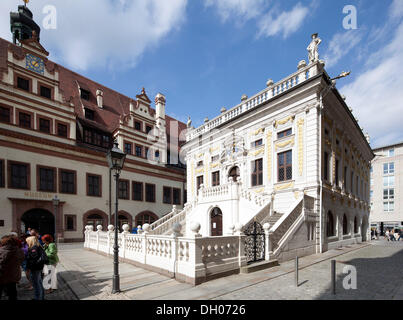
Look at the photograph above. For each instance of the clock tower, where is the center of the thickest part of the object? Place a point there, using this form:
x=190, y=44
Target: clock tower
x=22, y=25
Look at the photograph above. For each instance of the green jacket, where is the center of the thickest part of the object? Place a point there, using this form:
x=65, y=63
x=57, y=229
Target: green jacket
x=51, y=252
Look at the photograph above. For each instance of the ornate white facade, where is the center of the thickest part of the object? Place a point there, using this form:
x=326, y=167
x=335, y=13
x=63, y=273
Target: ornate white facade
x=296, y=146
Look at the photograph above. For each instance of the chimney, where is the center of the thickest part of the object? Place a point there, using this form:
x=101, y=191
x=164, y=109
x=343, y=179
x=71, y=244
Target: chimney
x=100, y=98
x=160, y=106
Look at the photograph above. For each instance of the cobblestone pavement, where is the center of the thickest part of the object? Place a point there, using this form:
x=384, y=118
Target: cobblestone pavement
x=379, y=277
x=85, y=275
x=62, y=293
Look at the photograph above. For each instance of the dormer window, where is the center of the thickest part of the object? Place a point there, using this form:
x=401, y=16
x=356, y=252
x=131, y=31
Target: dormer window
x=89, y=114
x=137, y=125
x=148, y=129
x=85, y=94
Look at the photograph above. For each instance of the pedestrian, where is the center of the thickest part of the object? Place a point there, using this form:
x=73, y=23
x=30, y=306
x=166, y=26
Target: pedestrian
x=400, y=234
x=396, y=234
x=11, y=257
x=372, y=234
x=387, y=235
x=51, y=252
x=376, y=234
x=392, y=235
x=35, y=233
x=24, y=263
x=36, y=259
x=28, y=233
x=134, y=230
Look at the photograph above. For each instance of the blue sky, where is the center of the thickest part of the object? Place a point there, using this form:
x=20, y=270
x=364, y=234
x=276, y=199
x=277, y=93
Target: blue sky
x=204, y=54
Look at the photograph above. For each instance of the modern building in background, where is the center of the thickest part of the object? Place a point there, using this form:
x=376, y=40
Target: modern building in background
x=55, y=129
x=386, y=188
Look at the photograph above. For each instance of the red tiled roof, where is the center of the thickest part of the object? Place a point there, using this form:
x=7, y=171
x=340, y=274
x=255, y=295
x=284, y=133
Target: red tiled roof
x=115, y=104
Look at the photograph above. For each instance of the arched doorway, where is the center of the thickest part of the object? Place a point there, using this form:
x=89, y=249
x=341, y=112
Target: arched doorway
x=216, y=222
x=234, y=173
x=330, y=225
x=39, y=219
x=345, y=225
x=145, y=217
x=94, y=218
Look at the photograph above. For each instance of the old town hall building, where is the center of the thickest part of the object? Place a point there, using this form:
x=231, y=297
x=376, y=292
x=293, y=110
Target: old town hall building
x=55, y=129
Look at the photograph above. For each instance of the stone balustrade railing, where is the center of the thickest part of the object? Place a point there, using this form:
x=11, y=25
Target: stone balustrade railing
x=217, y=191
x=258, y=199
x=192, y=259
x=161, y=226
x=271, y=91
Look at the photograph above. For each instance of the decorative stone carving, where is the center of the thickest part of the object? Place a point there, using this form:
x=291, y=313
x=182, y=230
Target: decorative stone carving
x=125, y=228
x=111, y=228
x=269, y=83
x=176, y=228
x=90, y=228
x=189, y=123
x=146, y=228
x=244, y=97
x=313, y=54
x=195, y=228
x=99, y=227
x=301, y=64
x=223, y=109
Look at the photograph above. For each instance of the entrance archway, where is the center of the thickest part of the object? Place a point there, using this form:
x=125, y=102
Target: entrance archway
x=216, y=222
x=145, y=217
x=39, y=219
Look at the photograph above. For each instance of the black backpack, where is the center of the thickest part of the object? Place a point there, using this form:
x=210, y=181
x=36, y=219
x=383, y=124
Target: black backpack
x=38, y=258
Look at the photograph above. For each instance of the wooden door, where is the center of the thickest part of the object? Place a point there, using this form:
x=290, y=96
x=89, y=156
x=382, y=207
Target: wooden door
x=216, y=222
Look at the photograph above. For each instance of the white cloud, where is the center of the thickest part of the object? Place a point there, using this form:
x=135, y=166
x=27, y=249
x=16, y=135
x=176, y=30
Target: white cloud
x=376, y=96
x=285, y=23
x=396, y=9
x=341, y=44
x=95, y=33
x=246, y=9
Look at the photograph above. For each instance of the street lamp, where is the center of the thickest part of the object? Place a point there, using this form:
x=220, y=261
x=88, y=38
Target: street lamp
x=56, y=202
x=116, y=159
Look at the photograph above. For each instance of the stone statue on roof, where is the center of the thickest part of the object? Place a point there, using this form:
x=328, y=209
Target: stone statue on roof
x=313, y=54
x=189, y=123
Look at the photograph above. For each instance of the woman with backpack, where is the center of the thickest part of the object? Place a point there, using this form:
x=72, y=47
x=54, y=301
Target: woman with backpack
x=51, y=252
x=36, y=259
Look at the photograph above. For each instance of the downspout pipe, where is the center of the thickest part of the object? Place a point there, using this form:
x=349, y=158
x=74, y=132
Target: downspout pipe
x=320, y=175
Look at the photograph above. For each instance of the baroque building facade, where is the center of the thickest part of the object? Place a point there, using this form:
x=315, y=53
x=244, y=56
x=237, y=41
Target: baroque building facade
x=291, y=159
x=55, y=129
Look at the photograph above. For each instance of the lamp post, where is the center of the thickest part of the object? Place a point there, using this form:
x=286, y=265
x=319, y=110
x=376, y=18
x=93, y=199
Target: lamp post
x=55, y=202
x=116, y=159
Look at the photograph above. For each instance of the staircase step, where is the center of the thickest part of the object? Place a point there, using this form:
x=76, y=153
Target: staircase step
x=261, y=265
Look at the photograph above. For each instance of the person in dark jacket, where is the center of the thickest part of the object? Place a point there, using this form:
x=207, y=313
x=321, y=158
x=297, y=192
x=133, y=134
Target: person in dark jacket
x=35, y=265
x=11, y=257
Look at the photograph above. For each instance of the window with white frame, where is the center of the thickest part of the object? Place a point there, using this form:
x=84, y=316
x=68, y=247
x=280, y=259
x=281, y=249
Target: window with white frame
x=388, y=199
x=391, y=152
x=389, y=168
x=389, y=181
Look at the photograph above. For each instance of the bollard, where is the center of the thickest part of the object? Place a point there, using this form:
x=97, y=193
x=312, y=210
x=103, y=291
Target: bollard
x=333, y=275
x=296, y=271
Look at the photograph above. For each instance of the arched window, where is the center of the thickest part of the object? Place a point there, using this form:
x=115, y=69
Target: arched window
x=145, y=217
x=345, y=224
x=355, y=225
x=234, y=173
x=330, y=224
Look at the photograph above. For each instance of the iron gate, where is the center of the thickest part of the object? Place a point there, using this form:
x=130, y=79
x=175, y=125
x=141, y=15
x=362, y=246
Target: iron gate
x=254, y=242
